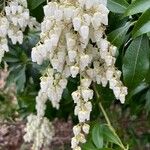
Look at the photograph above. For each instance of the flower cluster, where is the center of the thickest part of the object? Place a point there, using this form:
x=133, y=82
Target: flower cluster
x=13, y=22
x=39, y=131
x=73, y=40
x=53, y=86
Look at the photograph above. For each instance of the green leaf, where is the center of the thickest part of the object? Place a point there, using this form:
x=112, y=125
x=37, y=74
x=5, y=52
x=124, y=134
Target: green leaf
x=97, y=136
x=21, y=79
x=143, y=24
x=11, y=59
x=17, y=75
x=34, y=3
x=117, y=6
x=117, y=37
x=89, y=146
x=138, y=89
x=137, y=6
x=136, y=62
x=110, y=136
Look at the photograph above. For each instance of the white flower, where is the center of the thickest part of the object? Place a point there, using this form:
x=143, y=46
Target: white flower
x=76, y=130
x=117, y=91
x=85, y=82
x=63, y=83
x=103, y=45
x=54, y=39
x=4, y=26
x=76, y=96
x=109, y=74
x=98, y=35
x=4, y=45
x=103, y=8
x=77, y=148
x=36, y=57
x=88, y=106
x=112, y=83
x=90, y=73
x=87, y=94
x=77, y=23
x=81, y=138
x=84, y=61
x=96, y=20
x=84, y=32
x=70, y=42
x=104, y=19
x=1, y=54
x=86, y=19
x=104, y=81
x=124, y=90
x=74, y=71
x=84, y=112
x=122, y=98
x=109, y=60
x=55, y=63
x=86, y=128
x=72, y=55
x=74, y=142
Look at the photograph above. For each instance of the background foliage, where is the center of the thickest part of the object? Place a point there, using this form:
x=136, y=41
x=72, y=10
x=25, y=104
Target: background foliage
x=129, y=30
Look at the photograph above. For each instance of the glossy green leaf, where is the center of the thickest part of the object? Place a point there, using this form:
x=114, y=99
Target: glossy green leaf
x=136, y=62
x=137, y=6
x=117, y=6
x=97, y=136
x=34, y=3
x=143, y=24
x=117, y=37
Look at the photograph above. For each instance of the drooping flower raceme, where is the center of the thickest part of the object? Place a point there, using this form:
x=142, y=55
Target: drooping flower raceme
x=39, y=130
x=13, y=21
x=73, y=40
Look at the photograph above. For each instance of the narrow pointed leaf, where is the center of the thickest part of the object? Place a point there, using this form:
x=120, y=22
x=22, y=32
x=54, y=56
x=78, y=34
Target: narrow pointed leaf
x=117, y=6
x=136, y=62
x=117, y=37
x=137, y=6
x=143, y=24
